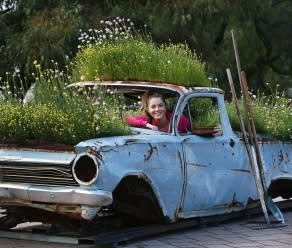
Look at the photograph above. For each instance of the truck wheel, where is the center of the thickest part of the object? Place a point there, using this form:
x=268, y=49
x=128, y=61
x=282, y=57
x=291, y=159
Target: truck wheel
x=8, y=221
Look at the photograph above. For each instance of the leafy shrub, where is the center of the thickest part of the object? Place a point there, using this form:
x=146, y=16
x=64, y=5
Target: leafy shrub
x=55, y=114
x=272, y=116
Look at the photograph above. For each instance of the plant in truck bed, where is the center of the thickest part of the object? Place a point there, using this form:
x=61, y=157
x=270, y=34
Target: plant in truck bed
x=55, y=114
x=272, y=115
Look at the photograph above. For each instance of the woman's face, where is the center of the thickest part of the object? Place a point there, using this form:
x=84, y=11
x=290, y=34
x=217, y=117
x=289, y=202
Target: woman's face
x=156, y=108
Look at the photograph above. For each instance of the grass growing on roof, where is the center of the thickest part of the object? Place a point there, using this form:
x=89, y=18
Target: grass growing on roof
x=136, y=57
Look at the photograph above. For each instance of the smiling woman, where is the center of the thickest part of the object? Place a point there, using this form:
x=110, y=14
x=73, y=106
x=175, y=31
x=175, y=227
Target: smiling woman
x=156, y=117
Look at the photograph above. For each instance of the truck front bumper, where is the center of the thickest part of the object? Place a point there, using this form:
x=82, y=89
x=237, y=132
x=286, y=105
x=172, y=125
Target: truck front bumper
x=28, y=195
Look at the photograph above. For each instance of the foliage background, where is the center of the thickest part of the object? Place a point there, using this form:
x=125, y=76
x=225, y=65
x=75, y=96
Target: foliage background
x=46, y=30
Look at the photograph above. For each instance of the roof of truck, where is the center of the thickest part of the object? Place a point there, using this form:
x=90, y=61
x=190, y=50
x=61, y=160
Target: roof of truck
x=146, y=85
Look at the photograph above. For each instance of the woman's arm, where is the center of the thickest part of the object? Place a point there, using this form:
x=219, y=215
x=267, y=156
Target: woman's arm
x=136, y=120
x=139, y=121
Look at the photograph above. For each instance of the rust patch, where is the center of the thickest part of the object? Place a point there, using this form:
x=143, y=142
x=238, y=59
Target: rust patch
x=35, y=144
x=265, y=140
x=241, y=170
x=131, y=141
x=233, y=203
x=149, y=152
x=94, y=152
x=283, y=157
x=68, y=210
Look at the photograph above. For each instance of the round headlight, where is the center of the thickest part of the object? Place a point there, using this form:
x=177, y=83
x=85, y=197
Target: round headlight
x=85, y=169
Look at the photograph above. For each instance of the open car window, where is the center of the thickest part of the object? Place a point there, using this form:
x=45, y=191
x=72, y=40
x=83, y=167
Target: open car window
x=204, y=116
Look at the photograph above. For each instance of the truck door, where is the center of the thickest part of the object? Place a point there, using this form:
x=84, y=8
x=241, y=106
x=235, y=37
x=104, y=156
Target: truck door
x=217, y=175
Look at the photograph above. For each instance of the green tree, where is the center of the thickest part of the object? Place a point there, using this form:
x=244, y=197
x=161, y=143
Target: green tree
x=262, y=27
x=48, y=30
x=38, y=30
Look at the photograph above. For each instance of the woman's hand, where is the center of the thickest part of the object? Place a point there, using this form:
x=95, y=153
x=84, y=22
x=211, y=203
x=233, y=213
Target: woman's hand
x=150, y=126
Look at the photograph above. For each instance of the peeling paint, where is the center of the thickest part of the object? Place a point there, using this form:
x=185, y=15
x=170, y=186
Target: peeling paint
x=240, y=170
x=94, y=152
x=283, y=157
x=131, y=141
x=149, y=152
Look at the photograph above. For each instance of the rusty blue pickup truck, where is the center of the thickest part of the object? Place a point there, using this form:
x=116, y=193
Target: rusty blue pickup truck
x=149, y=175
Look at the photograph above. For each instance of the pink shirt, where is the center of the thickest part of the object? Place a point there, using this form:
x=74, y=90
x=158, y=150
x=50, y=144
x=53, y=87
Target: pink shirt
x=141, y=121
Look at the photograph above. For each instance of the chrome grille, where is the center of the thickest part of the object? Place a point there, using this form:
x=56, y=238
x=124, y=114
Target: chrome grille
x=36, y=173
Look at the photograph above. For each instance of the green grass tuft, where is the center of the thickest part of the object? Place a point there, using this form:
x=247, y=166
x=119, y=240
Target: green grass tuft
x=134, y=59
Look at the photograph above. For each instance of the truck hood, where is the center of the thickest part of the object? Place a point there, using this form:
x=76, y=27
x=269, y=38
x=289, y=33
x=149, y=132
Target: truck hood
x=138, y=135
